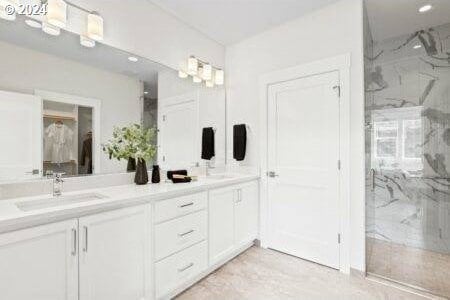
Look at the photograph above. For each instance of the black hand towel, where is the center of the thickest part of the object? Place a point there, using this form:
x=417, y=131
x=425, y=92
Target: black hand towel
x=208, y=150
x=239, y=141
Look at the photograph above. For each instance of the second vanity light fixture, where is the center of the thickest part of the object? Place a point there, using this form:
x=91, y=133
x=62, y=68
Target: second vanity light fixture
x=56, y=18
x=202, y=71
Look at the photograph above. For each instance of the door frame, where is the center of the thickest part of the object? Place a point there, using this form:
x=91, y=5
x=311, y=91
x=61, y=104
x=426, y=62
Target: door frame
x=342, y=65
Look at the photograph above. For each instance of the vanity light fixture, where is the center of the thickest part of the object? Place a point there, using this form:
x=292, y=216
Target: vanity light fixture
x=133, y=59
x=207, y=72
x=209, y=83
x=182, y=74
x=202, y=71
x=8, y=15
x=95, y=26
x=192, y=66
x=57, y=13
x=219, y=77
x=425, y=8
x=33, y=23
x=87, y=42
x=50, y=29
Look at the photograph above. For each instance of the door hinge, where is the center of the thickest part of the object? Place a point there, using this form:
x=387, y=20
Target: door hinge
x=338, y=88
x=339, y=238
x=339, y=165
x=164, y=118
x=164, y=158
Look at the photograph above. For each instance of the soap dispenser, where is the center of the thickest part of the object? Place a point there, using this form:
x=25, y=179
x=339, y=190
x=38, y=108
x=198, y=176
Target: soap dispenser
x=156, y=178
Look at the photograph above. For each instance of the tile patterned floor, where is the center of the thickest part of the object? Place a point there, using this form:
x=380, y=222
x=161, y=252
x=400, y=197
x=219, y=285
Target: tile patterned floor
x=425, y=269
x=261, y=274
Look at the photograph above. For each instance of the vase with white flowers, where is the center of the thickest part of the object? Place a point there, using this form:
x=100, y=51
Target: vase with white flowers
x=135, y=142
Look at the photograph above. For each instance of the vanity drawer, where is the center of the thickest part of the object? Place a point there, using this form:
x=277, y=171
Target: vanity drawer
x=178, y=269
x=180, y=206
x=180, y=233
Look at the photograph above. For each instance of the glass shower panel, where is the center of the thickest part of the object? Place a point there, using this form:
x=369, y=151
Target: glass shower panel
x=408, y=159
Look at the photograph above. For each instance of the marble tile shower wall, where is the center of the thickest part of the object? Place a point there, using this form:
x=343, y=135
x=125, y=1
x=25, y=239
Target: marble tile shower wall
x=408, y=139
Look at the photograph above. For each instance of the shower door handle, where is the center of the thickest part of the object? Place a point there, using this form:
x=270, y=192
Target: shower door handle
x=372, y=179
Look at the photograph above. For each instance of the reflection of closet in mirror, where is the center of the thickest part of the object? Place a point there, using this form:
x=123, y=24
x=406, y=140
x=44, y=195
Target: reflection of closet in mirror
x=67, y=134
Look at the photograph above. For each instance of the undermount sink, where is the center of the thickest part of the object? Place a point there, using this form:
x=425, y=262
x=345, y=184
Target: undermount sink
x=57, y=201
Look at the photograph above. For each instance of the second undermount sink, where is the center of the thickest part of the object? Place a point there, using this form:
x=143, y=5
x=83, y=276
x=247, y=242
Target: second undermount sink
x=58, y=201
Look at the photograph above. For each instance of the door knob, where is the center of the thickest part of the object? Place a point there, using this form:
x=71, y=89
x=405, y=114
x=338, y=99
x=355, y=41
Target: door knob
x=272, y=174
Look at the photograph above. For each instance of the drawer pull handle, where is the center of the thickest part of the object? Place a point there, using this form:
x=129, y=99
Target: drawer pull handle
x=186, y=233
x=74, y=241
x=187, y=205
x=186, y=268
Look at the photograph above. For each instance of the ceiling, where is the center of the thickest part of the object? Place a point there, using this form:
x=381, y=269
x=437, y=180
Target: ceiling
x=392, y=18
x=230, y=21
x=67, y=46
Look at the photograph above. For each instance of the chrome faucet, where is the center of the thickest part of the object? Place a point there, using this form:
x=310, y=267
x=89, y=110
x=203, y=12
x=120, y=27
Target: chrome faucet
x=57, y=184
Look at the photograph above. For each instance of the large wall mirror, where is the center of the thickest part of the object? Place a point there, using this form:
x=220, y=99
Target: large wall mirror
x=60, y=102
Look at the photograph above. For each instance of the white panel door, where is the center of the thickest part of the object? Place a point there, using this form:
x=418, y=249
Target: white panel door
x=20, y=135
x=40, y=263
x=303, y=164
x=221, y=223
x=179, y=135
x=114, y=255
x=246, y=214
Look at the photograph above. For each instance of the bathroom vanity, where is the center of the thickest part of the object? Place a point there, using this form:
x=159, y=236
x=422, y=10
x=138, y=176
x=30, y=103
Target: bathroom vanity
x=125, y=242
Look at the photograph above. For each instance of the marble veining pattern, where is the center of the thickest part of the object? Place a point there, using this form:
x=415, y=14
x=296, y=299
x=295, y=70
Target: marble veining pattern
x=408, y=141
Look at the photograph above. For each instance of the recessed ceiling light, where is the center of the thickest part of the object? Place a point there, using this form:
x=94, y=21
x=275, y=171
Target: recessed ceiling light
x=133, y=59
x=33, y=23
x=146, y=93
x=417, y=46
x=425, y=8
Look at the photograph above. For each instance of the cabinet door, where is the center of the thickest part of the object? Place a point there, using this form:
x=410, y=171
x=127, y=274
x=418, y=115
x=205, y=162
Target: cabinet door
x=40, y=263
x=114, y=255
x=246, y=212
x=221, y=224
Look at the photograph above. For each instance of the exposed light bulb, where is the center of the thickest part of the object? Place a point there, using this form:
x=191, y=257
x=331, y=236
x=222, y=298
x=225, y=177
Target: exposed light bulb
x=192, y=66
x=219, y=77
x=57, y=13
x=50, y=29
x=95, y=29
x=87, y=42
x=425, y=8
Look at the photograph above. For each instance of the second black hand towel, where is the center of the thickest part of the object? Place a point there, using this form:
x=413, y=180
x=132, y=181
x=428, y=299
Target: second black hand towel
x=208, y=150
x=239, y=141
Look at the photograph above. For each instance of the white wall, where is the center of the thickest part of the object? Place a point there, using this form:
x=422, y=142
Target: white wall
x=331, y=31
x=29, y=70
x=140, y=27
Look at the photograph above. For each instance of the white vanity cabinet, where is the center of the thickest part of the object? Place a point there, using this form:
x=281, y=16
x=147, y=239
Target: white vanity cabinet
x=98, y=257
x=40, y=263
x=114, y=255
x=233, y=219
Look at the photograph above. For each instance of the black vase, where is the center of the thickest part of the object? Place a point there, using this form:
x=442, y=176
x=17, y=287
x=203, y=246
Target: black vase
x=141, y=176
x=156, y=178
x=131, y=166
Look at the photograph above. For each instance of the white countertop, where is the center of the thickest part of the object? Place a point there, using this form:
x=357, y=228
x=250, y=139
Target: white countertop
x=12, y=218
